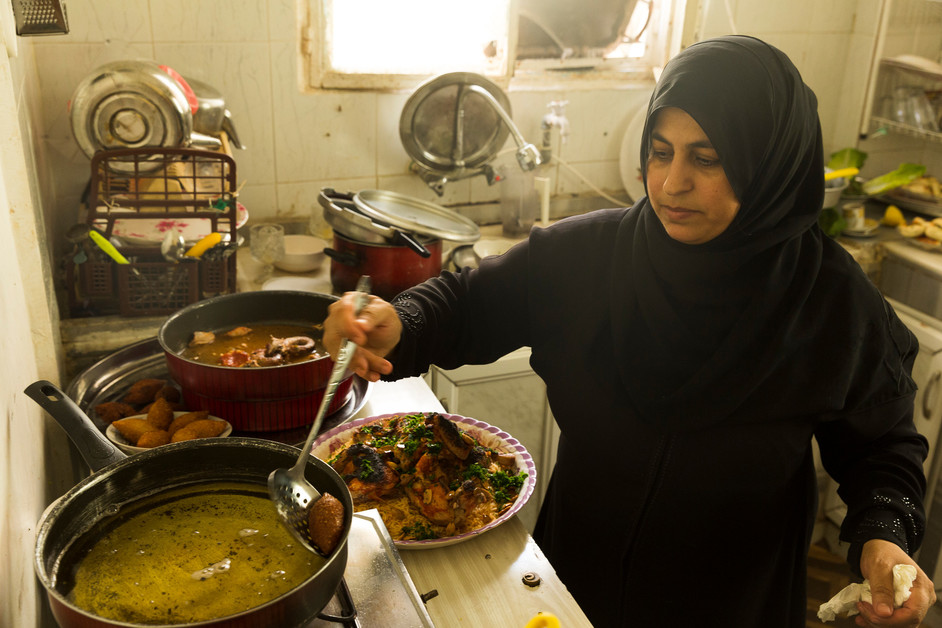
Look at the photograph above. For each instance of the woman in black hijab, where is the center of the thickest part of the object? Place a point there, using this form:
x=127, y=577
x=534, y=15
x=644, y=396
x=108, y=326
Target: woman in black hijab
x=692, y=346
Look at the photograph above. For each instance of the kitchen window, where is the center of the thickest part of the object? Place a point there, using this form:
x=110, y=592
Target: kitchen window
x=377, y=44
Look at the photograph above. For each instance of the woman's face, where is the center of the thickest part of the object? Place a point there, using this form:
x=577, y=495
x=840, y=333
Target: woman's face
x=687, y=185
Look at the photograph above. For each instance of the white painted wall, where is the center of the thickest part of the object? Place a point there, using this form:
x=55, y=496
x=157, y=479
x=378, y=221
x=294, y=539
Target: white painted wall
x=298, y=143
x=35, y=460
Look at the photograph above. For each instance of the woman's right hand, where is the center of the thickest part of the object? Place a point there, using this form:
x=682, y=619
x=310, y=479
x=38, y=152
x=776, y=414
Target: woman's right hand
x=376, y=332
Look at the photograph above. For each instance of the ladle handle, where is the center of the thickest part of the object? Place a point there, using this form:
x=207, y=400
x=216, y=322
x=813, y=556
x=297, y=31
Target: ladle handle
x=347, y=349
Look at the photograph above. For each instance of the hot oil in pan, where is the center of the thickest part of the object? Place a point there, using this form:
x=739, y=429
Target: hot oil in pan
x=187, y=555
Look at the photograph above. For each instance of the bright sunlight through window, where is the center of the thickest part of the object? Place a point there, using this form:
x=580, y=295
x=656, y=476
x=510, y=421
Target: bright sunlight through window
x=418, y=44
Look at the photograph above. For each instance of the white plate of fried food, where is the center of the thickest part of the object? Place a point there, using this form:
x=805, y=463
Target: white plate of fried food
x=135, y=434
x=925, y=234
x=437, y=479
x=921, y=195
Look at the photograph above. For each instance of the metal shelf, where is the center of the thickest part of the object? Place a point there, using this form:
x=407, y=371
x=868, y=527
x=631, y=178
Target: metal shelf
x=877, y=123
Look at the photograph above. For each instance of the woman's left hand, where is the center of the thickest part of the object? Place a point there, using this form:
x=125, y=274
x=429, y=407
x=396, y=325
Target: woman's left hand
x=876, y=565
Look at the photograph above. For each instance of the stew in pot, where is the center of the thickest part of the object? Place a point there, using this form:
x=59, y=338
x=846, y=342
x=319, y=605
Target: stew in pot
x=259, y=345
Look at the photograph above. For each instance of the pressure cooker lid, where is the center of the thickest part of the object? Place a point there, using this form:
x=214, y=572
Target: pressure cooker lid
x=416, y=216
x=130, y=104
x=447, y=124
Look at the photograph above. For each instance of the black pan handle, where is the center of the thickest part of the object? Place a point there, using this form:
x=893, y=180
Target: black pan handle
x=347, y=259
x=97, y=451
x=401, y=237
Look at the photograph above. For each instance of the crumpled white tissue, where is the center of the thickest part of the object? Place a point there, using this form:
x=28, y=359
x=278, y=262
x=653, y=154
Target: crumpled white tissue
x=844, y=604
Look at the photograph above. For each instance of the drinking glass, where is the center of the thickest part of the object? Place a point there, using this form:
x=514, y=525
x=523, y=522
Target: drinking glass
x=267, y=246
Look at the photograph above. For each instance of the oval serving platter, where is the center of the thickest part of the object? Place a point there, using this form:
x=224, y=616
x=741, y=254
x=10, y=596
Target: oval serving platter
x=488, y=435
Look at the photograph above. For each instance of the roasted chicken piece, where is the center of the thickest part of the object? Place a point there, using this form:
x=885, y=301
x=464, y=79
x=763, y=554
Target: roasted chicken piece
x=366, y=471
x=451, y=436
x=432, y=501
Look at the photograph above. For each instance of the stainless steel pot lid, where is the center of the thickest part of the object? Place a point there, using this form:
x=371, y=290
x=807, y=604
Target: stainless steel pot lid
x=130, y=104
x=416, y=216
x=448, y=124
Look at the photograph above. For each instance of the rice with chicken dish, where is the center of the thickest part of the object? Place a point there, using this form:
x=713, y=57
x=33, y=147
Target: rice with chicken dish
x=426, y=476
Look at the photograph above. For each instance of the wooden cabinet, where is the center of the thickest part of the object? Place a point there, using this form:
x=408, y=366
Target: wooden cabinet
x=509, y=395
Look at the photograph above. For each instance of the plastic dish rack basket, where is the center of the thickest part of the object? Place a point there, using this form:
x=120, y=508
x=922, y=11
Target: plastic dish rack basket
x=162, y=189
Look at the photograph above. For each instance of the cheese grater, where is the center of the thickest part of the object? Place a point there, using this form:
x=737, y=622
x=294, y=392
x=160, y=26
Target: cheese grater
x=40, y=17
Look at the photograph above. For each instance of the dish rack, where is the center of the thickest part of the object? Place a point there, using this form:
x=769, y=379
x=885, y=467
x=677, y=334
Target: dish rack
x=165, y=189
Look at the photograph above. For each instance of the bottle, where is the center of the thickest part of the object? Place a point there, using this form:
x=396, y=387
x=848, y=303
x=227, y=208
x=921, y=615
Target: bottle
x=519, y=203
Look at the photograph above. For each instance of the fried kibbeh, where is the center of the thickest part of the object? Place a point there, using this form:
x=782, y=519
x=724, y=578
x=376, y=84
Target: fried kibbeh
x=202, y=428
x=325, y=522
x=185, y=419
x=174, y=405
x=143, y=391
x=160, y=414
x=111, y=411
x=133, y=428
x=169, y=393
x=153, y=439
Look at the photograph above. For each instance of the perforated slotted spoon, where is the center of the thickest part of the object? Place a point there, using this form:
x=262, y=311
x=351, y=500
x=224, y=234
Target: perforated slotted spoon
x=291, y=493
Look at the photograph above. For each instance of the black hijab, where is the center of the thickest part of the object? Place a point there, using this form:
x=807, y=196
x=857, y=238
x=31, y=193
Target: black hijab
x=708, y=323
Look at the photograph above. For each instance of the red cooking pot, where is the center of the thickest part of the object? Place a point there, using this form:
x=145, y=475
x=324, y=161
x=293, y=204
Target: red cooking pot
x=252, y=399
x=117, y=482
x=396, y=239
x=392, y=268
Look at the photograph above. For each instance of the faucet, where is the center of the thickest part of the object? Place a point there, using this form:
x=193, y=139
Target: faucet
x=527, y=154
x=555, y=118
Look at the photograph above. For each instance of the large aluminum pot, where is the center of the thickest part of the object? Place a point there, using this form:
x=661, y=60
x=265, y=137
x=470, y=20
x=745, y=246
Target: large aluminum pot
x=118, y=481
x=256, y=399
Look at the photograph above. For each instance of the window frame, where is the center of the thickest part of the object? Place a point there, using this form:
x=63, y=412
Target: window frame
x=667, y=26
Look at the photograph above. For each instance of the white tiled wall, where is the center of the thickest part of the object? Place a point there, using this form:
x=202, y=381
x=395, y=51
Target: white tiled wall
x=299, y=142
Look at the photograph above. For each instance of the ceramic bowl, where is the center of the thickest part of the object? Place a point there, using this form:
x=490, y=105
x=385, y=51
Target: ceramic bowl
x=303, y=254
x=832, y=192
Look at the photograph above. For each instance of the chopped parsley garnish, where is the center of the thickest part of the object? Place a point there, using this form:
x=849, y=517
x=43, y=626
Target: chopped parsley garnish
x=475, y=471
x=384, y=441
x=420, y=531
x=366, y=469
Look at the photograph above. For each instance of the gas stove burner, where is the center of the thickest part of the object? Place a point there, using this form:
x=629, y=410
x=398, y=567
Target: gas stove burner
x=376, y=589
x=348, y=610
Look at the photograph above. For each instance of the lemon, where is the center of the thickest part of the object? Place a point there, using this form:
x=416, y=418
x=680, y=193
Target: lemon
x=893, y=217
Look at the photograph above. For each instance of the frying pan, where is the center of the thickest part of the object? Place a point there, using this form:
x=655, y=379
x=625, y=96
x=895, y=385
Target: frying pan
x=117, y=481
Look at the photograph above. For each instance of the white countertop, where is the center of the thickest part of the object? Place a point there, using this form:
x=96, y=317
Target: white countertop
x=480, y=582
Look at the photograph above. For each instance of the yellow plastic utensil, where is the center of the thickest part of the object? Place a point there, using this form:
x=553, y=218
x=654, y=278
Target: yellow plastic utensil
x=838, y=174
x=107, y=247
x=205, y=243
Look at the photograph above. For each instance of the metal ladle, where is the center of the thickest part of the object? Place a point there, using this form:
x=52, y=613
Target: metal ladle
x=290, y=491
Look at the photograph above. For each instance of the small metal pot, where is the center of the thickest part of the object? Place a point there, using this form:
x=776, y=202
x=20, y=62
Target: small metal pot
x=118, y=481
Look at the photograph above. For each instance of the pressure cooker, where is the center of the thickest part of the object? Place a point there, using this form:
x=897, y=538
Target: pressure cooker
x=393, y=238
